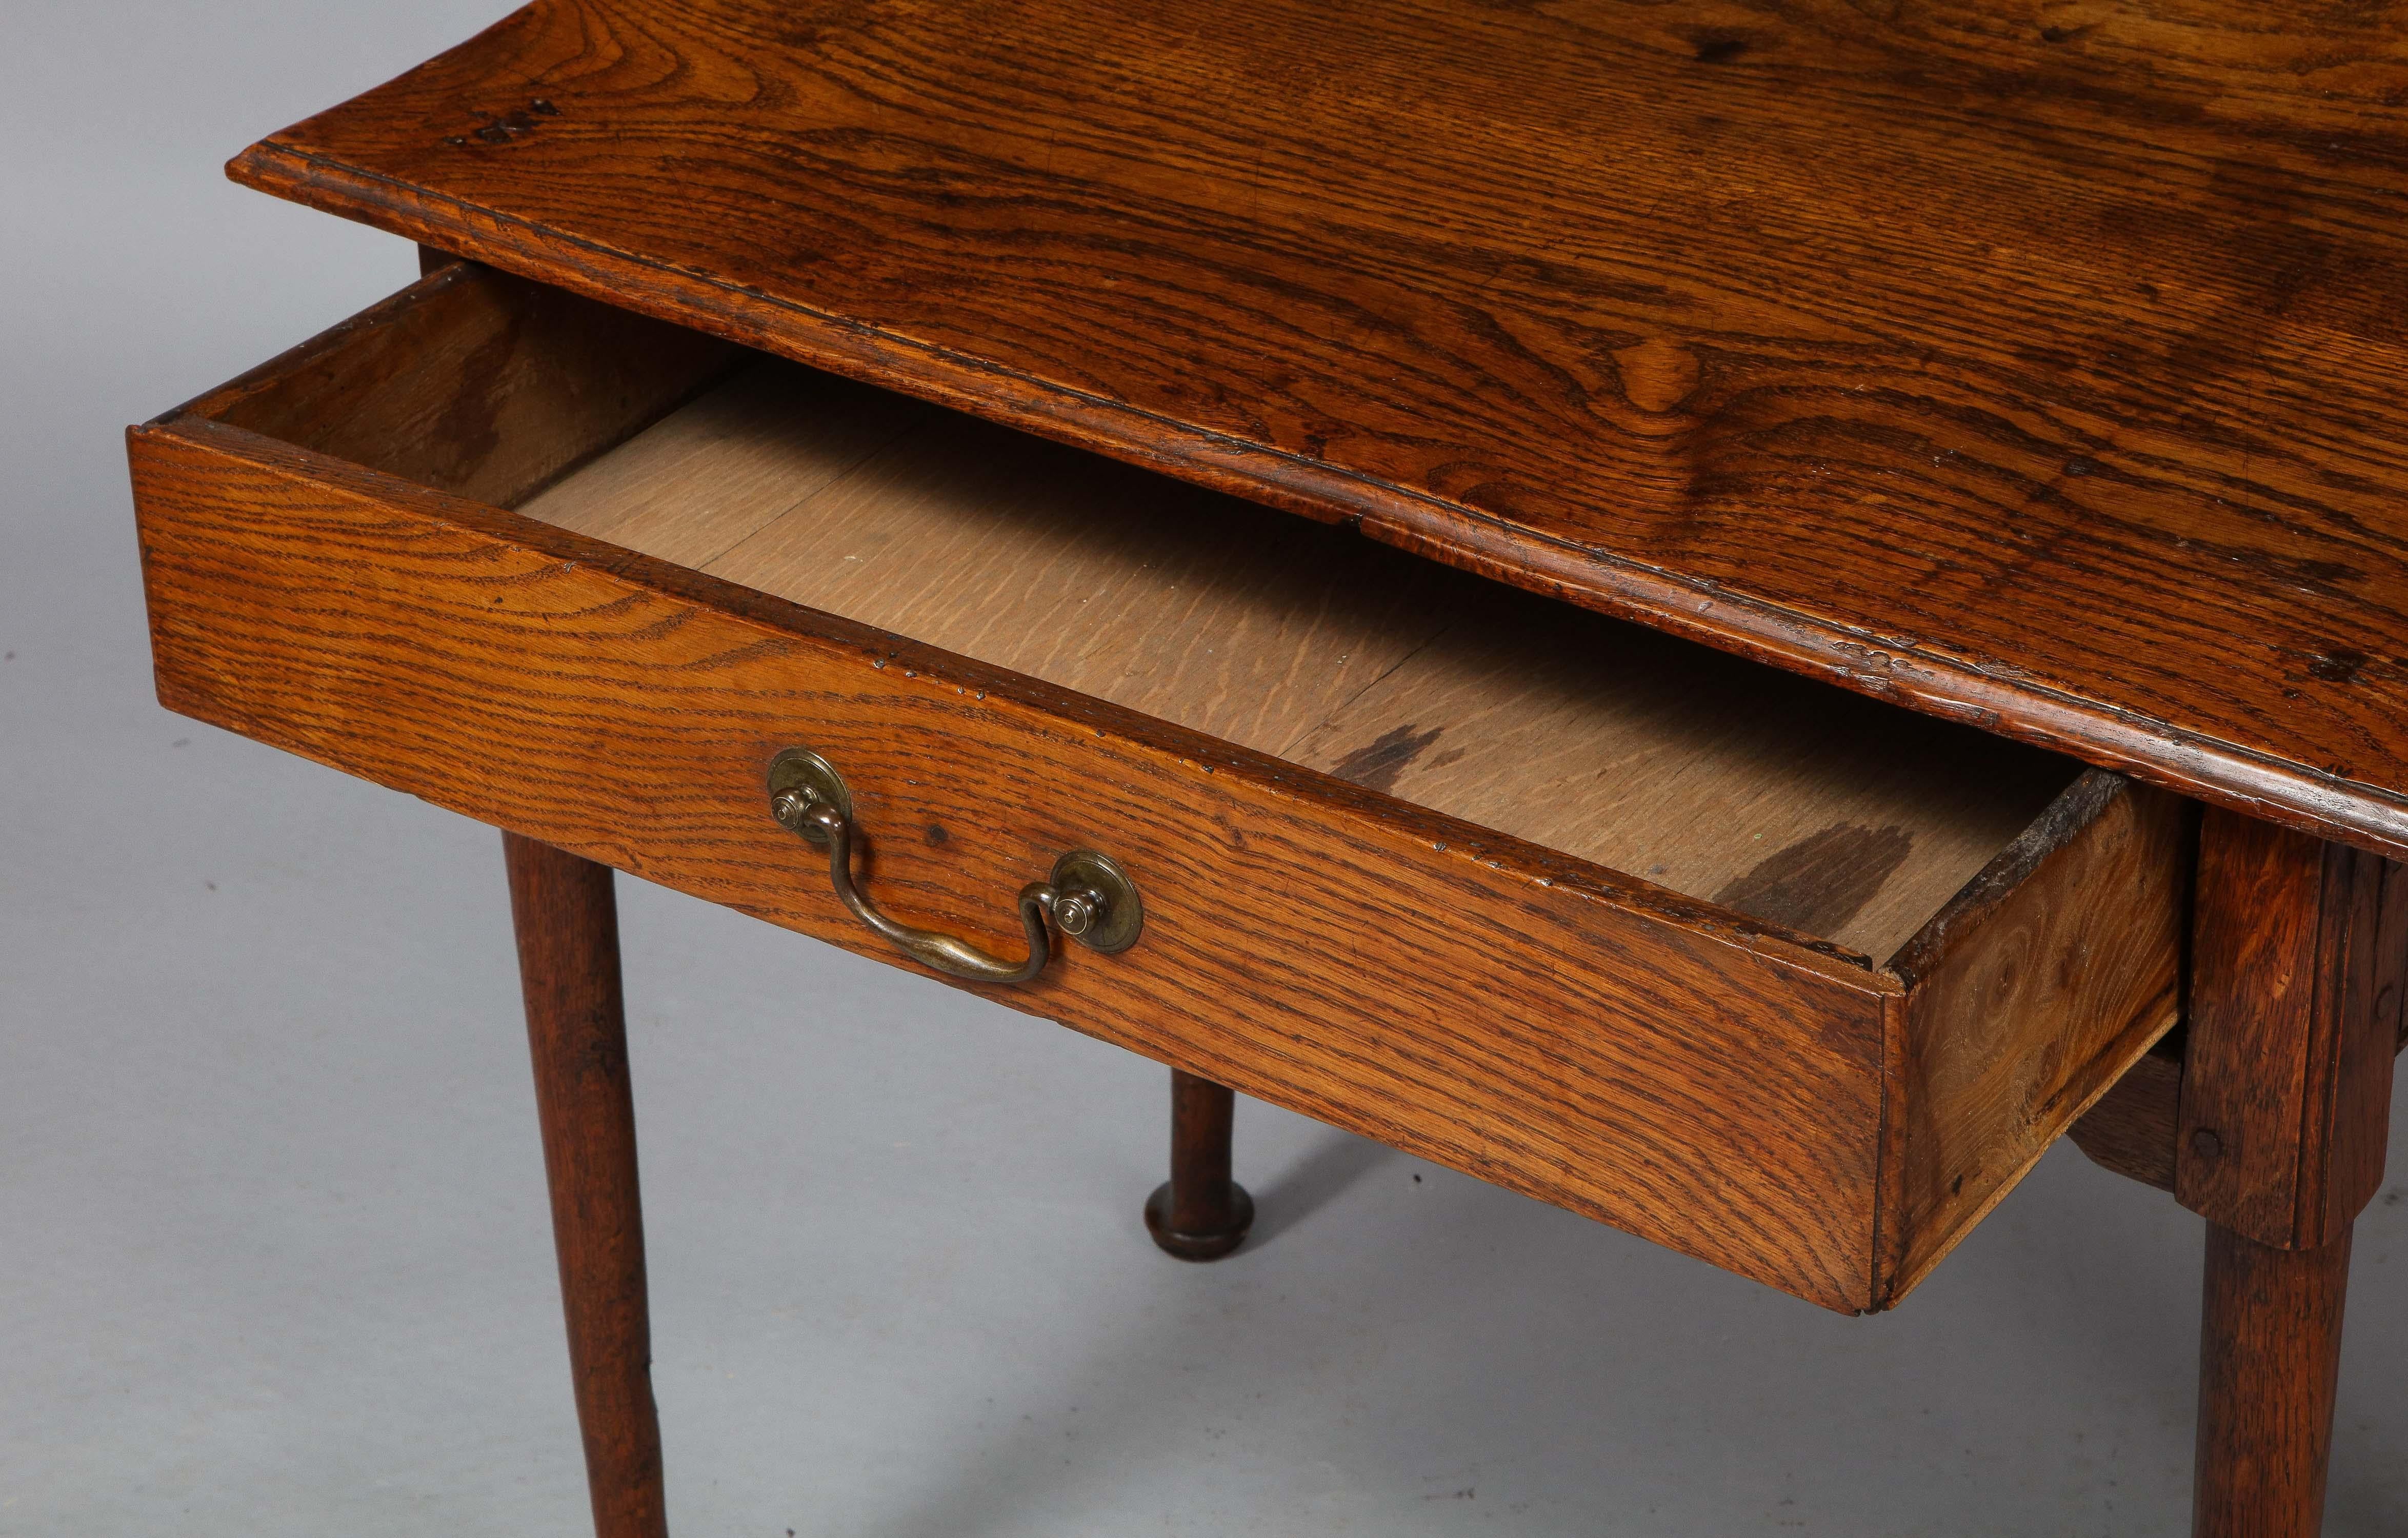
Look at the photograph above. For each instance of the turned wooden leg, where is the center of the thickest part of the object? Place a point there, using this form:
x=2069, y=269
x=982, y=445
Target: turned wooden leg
x=1199, y=1213
x=2270, y=1357
x=567, y=924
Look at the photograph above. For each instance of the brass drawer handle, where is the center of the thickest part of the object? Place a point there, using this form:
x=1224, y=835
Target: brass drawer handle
x=1089, y=898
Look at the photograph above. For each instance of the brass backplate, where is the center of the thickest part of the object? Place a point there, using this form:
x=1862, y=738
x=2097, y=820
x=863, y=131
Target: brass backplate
x=801, y=769
x=1123, y=917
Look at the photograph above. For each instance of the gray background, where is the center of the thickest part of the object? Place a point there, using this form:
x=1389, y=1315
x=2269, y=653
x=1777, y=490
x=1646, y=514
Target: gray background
x=276, y=1254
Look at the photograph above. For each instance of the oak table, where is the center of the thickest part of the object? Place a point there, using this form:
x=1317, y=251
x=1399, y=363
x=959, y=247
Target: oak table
x=1847, y=618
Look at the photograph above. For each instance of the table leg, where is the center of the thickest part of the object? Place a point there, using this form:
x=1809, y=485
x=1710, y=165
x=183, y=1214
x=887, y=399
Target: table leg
x=2299, y=955
x=2270, y=1357
x=1199, y=1213
x=567, y=925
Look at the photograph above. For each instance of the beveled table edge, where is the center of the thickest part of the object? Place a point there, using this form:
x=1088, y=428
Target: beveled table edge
x=2257, y=784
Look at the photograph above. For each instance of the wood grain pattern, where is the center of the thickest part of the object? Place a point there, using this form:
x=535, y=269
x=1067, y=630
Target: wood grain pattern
x=2270, y=1369
x=567, y=919
x=2034, y=370
x=2132, y=1128
x=1709, y=1081
x=472, y=382
x=2298, y=954
x=2297, y=980
x=1539, y=1022
x=1086, y=573
x=1715, y=778
x=2030, y=996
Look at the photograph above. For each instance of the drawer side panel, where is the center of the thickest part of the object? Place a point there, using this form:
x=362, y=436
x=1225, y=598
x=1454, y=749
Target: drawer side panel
x=2031, y=995
x=1391, y=972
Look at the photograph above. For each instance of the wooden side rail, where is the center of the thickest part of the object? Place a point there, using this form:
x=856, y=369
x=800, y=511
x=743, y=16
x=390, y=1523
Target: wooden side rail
x=2133, y=1128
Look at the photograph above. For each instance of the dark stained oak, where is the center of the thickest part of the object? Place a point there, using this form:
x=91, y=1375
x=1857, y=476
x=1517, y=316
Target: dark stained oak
x=2270, y=1362
x=2034, y=367
x=1199, y=1213
x=2298, y=953
x=567, y=923
x=532, y=382
x=2133, y=1126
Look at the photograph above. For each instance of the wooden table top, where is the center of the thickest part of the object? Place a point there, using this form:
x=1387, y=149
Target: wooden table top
x=2041, y=366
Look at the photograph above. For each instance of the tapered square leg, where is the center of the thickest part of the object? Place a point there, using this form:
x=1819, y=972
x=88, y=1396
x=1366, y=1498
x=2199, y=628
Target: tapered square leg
x=1199, y=1213
x=567, y=922
x=2270, y=1359
x=2299, y=952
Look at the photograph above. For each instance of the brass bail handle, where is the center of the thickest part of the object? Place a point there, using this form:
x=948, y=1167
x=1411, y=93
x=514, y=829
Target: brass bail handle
x=1089, y=898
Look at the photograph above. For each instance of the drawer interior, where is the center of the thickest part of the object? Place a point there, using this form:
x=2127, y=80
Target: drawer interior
x=1826, y=814
x=1717, y=777
x=1581, y=858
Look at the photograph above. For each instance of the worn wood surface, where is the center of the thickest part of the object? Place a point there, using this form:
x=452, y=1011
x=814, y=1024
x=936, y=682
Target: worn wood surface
x=2031, y=367
x=1712, y=776
x=491, y=386
x=567, y=922
x=2297, y=958
x=2297, y=951
x=2029, y=996
x=2132, y=1128
x=1707, y=1079
x=1536, y=1021
x=2269, y=1365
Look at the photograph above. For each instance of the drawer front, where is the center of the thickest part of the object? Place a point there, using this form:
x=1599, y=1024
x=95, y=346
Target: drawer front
x=1601, y=1044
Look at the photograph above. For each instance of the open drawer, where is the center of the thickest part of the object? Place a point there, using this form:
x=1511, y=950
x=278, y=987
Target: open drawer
x=1785, y=978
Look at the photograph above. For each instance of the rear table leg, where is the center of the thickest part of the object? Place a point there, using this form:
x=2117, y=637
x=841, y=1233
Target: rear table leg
x=1199, y=1213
